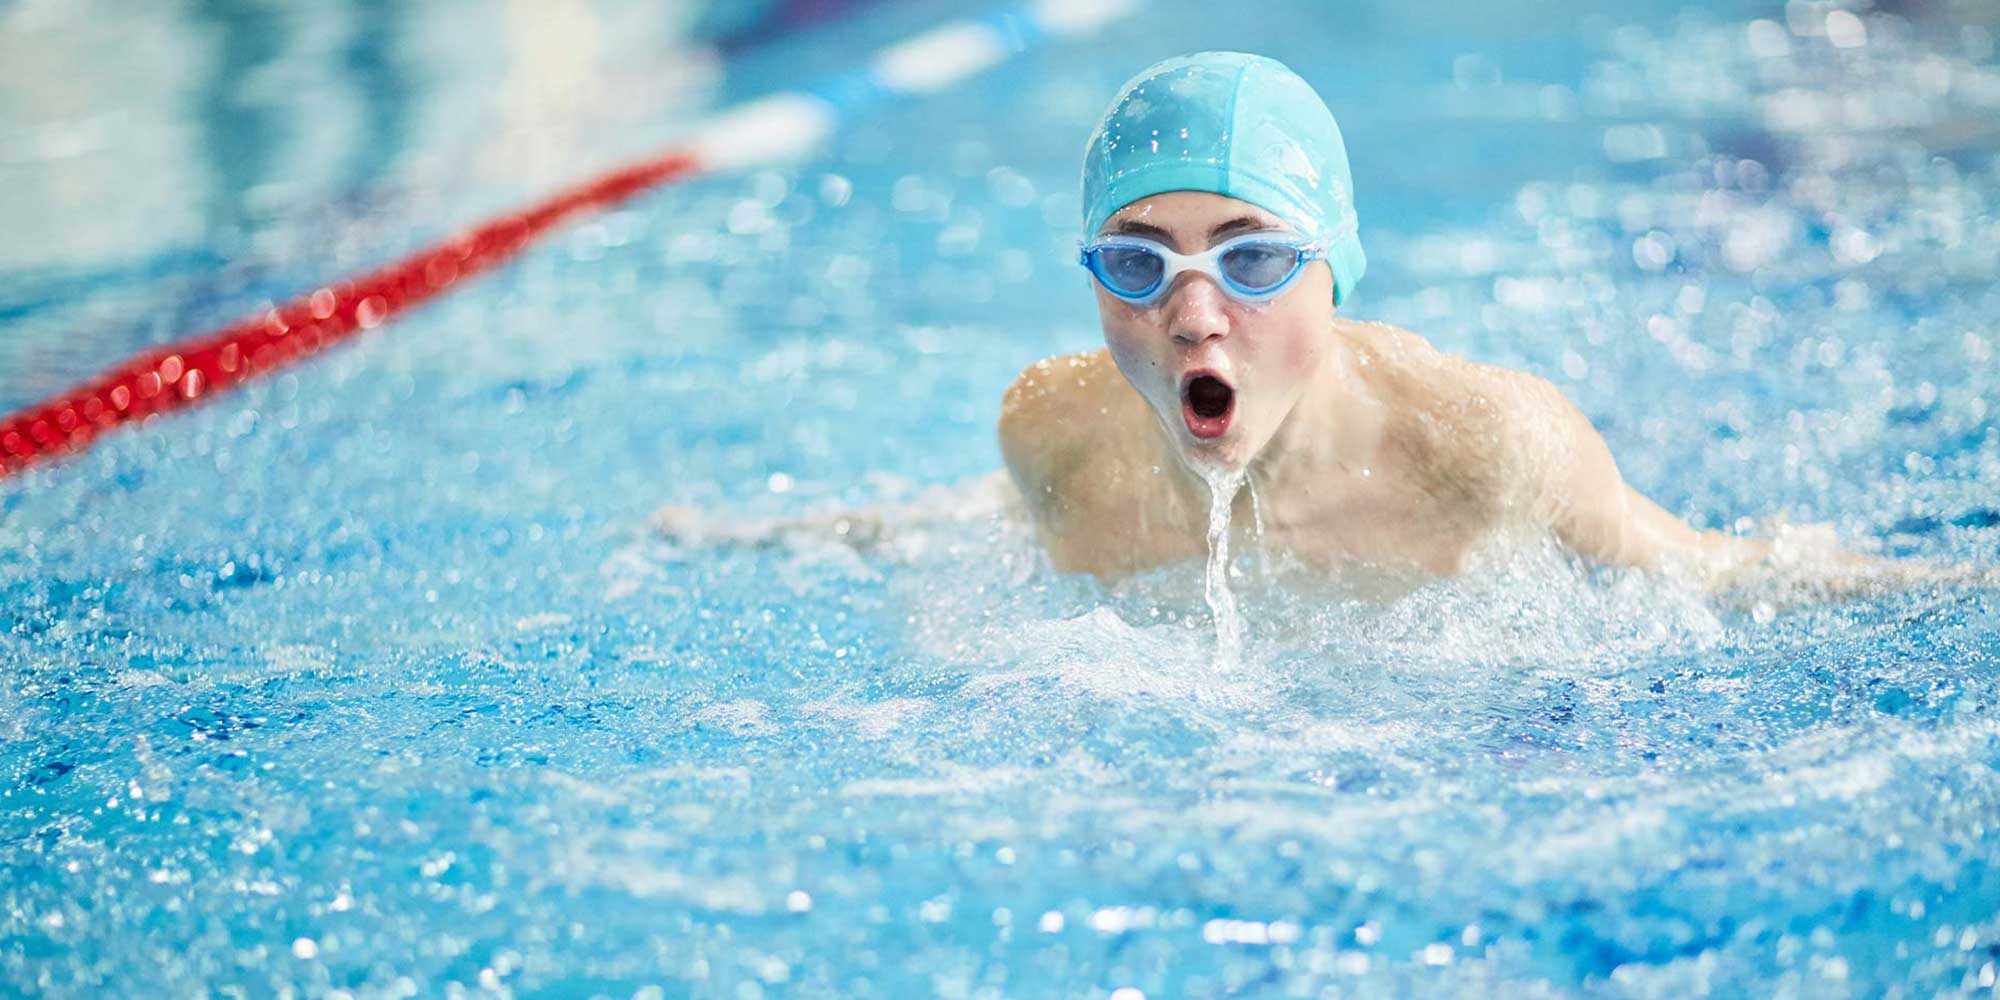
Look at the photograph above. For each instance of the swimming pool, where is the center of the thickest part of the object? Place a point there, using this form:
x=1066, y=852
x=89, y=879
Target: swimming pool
x=371, y=679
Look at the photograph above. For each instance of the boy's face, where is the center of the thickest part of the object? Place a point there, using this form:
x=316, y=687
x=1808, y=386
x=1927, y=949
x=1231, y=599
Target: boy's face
x=1222, y=375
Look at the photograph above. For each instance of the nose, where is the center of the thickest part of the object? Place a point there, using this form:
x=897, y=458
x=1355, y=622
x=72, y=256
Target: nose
x=1195, y=311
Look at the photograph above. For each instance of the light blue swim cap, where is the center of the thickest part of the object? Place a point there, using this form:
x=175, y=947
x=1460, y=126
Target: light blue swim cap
x=1233, y=124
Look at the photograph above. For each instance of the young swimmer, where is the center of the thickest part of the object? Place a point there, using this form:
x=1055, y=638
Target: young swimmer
x=1220, y=227
x=1222, y=236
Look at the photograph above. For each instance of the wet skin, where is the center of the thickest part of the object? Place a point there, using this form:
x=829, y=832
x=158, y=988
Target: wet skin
x=1364, y=446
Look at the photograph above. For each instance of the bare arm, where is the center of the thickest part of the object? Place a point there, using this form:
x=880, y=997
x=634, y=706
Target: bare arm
x=1597, y=514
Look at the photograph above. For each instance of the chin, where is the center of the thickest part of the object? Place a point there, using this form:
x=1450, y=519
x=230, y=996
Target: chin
x=1229, y=453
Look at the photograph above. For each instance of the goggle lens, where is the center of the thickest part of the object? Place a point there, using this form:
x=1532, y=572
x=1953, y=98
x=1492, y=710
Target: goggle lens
x=1260, y=266
x=1130, y=270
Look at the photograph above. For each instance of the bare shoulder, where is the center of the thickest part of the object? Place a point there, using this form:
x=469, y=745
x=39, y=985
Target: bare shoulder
x=1482, y=428
x=1047, y=412
x=1469, y=395
x=1057, y=385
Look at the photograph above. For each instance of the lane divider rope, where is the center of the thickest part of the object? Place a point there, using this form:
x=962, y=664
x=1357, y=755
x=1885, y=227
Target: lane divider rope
x=772, y=129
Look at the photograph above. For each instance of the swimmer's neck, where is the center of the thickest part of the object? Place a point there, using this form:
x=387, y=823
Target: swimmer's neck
x=1332, y=430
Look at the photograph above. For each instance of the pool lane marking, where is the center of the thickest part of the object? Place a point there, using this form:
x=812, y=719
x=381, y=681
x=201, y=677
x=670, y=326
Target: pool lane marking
x=173, y=376
x=771, y=129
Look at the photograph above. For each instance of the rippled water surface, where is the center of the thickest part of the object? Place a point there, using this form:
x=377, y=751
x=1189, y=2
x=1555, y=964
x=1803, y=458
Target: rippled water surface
x=372, y=680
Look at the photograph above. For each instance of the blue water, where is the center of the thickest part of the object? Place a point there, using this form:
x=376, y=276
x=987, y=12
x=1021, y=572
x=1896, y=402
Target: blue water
x=372, y=680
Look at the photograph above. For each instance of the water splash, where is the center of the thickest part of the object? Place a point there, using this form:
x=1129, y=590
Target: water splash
x=1222, y=487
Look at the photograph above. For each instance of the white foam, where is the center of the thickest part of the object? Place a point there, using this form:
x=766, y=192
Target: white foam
x=964, y=563
x=743, y=717
x=948, y=781
x=1100, y=655
x=296, y=658
x=870, y=720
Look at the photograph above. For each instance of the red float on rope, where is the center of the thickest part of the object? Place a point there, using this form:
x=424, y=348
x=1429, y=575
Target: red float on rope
x=174, y=375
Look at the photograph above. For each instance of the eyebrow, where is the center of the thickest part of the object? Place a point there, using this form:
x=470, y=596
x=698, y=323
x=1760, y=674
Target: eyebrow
x=1129, y=228
x=1241, y=223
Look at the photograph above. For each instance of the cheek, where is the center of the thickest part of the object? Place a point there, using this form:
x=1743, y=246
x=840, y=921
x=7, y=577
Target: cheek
x=1304, y=315
x=1305, y=345
x=1132, y=343
x=1296, y=343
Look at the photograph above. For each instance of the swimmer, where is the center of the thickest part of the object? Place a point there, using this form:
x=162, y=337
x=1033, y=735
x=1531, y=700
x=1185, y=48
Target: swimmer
x=1220, y=228
x=1221, y=236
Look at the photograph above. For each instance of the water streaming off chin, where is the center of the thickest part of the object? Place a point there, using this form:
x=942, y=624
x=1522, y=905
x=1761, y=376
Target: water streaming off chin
x=1222, y=490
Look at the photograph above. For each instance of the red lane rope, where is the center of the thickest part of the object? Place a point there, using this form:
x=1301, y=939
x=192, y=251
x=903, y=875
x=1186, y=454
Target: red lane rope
x=173, y=376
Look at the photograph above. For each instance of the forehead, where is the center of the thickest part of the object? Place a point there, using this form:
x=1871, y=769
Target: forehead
x=1190, y=213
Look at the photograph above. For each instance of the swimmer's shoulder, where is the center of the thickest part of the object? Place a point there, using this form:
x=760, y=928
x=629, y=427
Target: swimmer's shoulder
x=1416, y=379
x=1460, y=393
x=1473, y=426
x=1053, y=411
x=1060, y=398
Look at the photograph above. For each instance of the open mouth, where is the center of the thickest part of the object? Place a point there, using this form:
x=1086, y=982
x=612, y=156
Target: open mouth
x=1207, y=403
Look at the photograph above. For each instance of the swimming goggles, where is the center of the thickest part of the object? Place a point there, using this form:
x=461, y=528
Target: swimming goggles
x=1253, y=267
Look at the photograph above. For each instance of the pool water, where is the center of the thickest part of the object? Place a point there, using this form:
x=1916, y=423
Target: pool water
x=372, y=680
